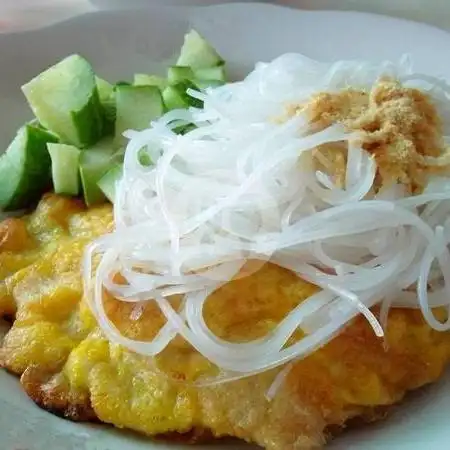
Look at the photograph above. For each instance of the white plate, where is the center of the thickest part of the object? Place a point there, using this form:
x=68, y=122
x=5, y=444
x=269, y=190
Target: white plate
x=120, y=43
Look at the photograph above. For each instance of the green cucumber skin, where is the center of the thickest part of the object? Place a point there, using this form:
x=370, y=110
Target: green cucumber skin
x=33, y=171
x=173, y=99
x=90, y=116
x=141, y=79
x=183, y=129
x=177, y=74
x=109, y=116
x=122, y=83
x=176, y=97
x=61, y=97
x=108, y=105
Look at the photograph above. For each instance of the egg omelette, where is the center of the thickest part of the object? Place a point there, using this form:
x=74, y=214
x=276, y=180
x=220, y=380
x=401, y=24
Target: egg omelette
x=67, y=367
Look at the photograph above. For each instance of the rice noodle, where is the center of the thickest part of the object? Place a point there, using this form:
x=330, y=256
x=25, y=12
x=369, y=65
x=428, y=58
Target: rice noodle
x=242, y=186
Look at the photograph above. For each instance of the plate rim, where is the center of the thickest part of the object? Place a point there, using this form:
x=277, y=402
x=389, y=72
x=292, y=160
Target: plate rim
x=235, y=5
x=192, y=9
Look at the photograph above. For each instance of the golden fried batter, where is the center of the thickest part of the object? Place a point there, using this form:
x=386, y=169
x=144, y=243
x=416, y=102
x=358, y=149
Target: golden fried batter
x=69, y=368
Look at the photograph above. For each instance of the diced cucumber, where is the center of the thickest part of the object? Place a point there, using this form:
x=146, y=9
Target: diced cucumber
x=109, y=116
x=35, y=123
x=216, y=73
x=176, y=97
x=108, y=182
x=25, y=168
x=65, y=100
x=105, y=89
x=122, y=83
x=144, y=158
x=201, y=78
x=141, y=79
x=198, y=53
x=204, y=84
x=94, y=163
x=183, y=129
x=137, y=106
x=175, y=74
x=108, y=103
x=65, y=176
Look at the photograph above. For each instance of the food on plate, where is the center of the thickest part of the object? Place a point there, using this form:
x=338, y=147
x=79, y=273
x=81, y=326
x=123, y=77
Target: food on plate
x=272, y=263
x=68, y=366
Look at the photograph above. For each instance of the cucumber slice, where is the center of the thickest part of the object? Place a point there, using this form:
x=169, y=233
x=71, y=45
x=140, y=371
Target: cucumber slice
x=94, y=163
x=65, y=159
x=211, y=73
x=108, y=182
x=25, y=168
x=141, y=79
x=137, y=106
x=65, y=100
x=197, y=53
x=175, y=74
x=176, y=97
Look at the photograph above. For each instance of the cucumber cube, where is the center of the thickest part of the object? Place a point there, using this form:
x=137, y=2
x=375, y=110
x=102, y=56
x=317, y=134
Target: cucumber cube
x=108, y=182
x=137, y=106
x=197, y=53
x=65, y=100
x=25, y=168
x=141, y=79
x=65, y=160
x=175, y=74
x=94, y=163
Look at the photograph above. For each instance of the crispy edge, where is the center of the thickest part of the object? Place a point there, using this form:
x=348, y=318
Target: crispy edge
x=368, y=416
x=58, y=401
